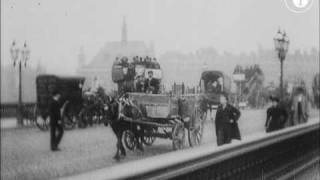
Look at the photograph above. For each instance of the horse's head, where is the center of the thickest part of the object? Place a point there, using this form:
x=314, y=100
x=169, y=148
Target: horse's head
x=128, y=107
x=111, y=108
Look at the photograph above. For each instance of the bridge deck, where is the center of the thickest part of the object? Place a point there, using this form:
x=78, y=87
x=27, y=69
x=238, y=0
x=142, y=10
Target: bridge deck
x=25, y=152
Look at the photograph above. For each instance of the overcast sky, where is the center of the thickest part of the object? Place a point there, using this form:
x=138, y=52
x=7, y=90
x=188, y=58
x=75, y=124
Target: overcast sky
x=56, y=29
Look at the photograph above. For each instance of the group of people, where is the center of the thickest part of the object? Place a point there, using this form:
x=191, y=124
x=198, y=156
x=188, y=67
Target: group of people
x=278, y=117
x=281, y=115
x=146, y=61
x=148, y=85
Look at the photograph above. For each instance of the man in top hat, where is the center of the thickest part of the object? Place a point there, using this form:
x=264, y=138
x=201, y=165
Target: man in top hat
x=276, y=116
x=151, y=84
x=56, y=126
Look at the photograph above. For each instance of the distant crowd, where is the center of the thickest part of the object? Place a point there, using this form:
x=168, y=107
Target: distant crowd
x=148, y=62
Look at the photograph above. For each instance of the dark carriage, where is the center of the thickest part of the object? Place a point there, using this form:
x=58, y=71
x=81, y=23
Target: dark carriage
x=70, y=88
x=177, y=118
x=211, y=94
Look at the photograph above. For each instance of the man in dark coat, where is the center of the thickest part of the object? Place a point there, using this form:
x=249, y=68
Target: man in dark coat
x=140, y=84
x=55, y=121
x=226, y=122
x=151, y=84
x=276, y=116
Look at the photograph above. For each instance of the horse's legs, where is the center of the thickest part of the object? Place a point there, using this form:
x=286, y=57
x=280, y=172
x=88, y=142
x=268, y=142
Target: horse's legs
x=122, y=149
x=139, y=135
x=117, y=155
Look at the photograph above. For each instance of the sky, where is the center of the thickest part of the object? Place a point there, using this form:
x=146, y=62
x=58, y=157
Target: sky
x=56, y=30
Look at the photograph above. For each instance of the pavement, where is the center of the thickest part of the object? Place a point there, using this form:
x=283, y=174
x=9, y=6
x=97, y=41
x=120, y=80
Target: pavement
x=25, y=152
x=8, y=123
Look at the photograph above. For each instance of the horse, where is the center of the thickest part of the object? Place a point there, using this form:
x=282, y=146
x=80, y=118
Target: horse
x=116, y=110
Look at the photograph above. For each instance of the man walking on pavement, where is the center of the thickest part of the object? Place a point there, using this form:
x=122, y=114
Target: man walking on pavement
x=56, y=127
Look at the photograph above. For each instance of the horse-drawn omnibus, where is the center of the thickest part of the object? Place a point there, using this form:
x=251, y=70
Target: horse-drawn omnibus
x=160, y=115
x=212, y=84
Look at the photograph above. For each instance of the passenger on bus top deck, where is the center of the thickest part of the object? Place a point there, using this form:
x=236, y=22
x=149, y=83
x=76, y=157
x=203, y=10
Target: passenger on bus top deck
x=151, y=84
x=140, y=85
x=136, y=59
x=124, y=61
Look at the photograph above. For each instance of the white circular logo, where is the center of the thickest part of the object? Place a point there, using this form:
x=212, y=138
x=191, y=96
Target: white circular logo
x=298, y=6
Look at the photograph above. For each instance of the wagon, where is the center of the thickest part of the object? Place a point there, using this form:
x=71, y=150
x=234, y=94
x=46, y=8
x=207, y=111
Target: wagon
x=177, y=118
x=71, y=93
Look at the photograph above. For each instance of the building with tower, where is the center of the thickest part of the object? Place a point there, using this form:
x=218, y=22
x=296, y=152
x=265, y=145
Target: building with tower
x=99, y=69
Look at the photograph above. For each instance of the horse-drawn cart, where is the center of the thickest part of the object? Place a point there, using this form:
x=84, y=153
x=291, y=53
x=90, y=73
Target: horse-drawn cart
x=70, y=89
x=164, y=116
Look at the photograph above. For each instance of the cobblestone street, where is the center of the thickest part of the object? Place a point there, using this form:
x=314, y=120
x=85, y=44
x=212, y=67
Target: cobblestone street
x=25, y=152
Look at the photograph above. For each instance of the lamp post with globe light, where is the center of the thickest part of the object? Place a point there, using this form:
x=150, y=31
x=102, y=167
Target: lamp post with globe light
x=19, y=60
x=281, y=43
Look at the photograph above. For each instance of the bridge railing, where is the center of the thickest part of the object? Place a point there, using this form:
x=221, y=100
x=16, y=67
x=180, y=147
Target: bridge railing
x=270, y=156
x=10, y=109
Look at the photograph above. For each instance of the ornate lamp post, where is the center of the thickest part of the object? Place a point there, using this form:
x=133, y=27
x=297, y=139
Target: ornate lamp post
x=281, y=43
x=25, y=54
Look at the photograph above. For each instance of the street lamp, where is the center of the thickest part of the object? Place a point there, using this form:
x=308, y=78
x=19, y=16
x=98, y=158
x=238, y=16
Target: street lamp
x=25, y=54
x=281, y=44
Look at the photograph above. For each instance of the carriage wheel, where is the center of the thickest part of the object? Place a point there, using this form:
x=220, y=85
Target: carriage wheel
x=42, y=123
x=178, y=136
x=129, y=140
x=195, y=129
x=149, y=140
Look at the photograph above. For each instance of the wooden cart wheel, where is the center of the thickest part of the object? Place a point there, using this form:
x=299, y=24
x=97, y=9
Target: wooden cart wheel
x=129, y=140
x=196, y=126
x=41, y=122
x=178, y=136
x=149, y=139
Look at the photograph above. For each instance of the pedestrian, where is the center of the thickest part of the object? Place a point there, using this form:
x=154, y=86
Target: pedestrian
x=56, y=126
x=226, y=122
x=300, y=107
x=276, y=116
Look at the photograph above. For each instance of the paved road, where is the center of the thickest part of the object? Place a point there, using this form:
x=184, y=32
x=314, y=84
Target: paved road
x=25, y=153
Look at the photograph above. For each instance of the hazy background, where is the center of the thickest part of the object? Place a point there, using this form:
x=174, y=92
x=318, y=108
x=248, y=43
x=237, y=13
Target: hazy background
x=55, y=30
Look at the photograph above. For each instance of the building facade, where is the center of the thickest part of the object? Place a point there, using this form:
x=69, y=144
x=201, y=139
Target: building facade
x=98, y=71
